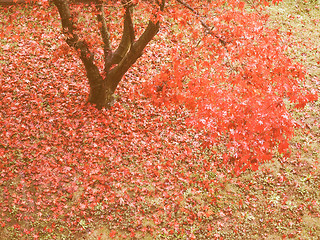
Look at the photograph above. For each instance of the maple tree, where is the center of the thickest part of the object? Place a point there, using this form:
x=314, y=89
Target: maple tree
x=232, y=73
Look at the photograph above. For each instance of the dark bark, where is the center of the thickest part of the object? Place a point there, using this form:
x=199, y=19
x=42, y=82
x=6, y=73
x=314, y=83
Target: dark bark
x=103, y=86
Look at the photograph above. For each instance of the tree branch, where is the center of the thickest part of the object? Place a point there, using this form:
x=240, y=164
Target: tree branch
x=135, y=51
x=104, y=34
x=73, y=40
x=161, y=4
x=127, y=38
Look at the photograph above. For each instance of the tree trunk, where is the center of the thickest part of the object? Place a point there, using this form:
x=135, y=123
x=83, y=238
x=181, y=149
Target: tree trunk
x=103, y=86
x=100, y=89
x=101, y=95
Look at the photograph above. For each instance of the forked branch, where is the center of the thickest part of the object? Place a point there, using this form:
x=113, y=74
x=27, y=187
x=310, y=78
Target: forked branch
x=136, y=48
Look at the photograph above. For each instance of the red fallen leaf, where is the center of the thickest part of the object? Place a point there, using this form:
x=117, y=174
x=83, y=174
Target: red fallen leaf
x=132, y=234
x=112, y=233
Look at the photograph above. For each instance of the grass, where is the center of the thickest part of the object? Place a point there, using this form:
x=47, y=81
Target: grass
x=279, y=201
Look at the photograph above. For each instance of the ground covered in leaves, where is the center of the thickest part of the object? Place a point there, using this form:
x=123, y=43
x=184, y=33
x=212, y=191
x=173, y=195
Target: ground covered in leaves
x=68, y=171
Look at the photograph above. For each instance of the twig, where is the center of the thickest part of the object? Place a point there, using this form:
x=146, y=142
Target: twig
x=208, y=28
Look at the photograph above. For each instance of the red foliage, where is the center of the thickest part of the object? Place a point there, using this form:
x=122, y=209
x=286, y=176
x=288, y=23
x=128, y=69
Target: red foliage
x=234, y=83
